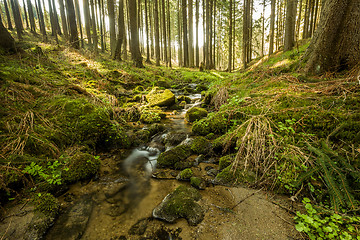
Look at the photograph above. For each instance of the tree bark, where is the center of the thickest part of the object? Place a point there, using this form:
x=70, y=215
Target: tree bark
x=93, y=26
x=26, y=16
x=147, y=33
x=41, y=21
x=169, y=32
x=78, y=18
x=263, y=30
x=74, y=38
x=86, y=11
x=289, y=41
x=121, y=31
x=31, y=17
x=336, y=43
x=56, y=18
x=111, y=12
x=230, y=36
x=10, y=27
x=7, y=42
x=164, y=32
x=157, y=37
x=197, y=53
x=17, y=18
x=191, y=29
x=180, y=51
x=63, y=18
x=134, y=47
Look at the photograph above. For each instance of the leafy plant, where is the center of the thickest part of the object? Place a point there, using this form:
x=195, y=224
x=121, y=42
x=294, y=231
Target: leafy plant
x=51, y=173
x=329, y=226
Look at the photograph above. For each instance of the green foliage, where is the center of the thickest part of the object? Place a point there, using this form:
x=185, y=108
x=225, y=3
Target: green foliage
x=214, y=123
x=200, y=145
x=225, y=161
x=326, y=226
x=51, y=173
x=186, y=174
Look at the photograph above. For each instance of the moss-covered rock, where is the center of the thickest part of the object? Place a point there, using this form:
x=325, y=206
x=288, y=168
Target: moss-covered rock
x=183, y=98
x=81, y=166
x=173, y=156
x=225, y=161
x=225, y=176
x=181, y=204
x=160, y=98
x=149, y=116
x=185, y=174
x=198, y=183
x=195, y=113
x=47, y=204
x=214, y=123
x=200, y=145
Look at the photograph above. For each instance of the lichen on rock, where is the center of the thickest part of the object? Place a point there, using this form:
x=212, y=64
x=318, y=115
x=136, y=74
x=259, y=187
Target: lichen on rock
x=161, y=98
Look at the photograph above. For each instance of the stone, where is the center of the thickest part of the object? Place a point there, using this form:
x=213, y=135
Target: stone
x=182, y=203
x=173, y=156
x=195, y=113
x=198, y=183
x=161, y=98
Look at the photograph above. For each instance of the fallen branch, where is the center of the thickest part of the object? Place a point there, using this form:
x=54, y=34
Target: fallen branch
x=242, y=200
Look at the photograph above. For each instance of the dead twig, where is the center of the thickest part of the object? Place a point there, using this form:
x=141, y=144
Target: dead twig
x=242, y=200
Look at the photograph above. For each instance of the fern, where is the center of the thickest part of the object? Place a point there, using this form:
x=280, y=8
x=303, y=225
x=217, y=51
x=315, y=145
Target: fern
x=304, y=176
x=335, y=180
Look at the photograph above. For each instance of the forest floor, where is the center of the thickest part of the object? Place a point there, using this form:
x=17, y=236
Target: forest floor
x=78, y=132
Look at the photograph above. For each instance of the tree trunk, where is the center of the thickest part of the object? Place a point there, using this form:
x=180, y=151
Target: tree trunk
x=74, y=38
x=297, y=34
x=17, y=18
x=263, y=30
x=41, y=21
x=86, y=11
x=110, y=4
x=31, y=17
x=180, y=51
x=101, y=26
x=336, y=44
x=157, y=37
x=93, y=25
x=7, y=42
x=78, y=18
x=56, y=18
x=147, y=34
x=230, y=36
x=164, y=32
x=63, y=18
x=121, y=31
x=191, y=29
x=197, y=53
x=10, y=27
x=306, y=20
x=151, y=30
x=289, y=42
x=134, y=44
x=169, y=32
x=26, y=16
x=185, y=34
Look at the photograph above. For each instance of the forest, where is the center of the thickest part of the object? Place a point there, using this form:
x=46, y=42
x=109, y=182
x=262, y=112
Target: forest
x=179, y=119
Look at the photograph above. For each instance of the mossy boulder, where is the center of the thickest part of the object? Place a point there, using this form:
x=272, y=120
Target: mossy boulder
x=161, y=98
x=182, y=203
x=226, y=176
x=183, y=98
x=149, y=116
x=47, y=204
x=81, y=166
x=195, y=113
x=174, y=156
x=225, y=161
x=198, y=183
x=214, y=123
x=185, y=174
x=200, y=145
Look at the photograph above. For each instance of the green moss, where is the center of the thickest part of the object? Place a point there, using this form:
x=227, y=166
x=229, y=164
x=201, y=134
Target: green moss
x=149, y=116
x=183, y=98
x=81, y=166
x=160, y=98
x=226, y=176
x=174, y=156
x=138, y=89
x=195, y=113
x=47, y=204
x=200, y=145
x=195, y=182
x=186, y=174
x=225, y=161
x=214, y=123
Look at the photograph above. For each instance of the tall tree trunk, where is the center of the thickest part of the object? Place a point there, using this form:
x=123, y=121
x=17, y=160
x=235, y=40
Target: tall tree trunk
x=169, y=32
x=230, y=35
x=185, y=34
x=147, y=33
x=164, y=32
x=272, y=27
x=121, y=31
x=31, y=16
x=197, y=53
x=110, y=4
x=289, y=41
x=191, y=35
x=210, y=52
x=53, y=22
x=297, y=34
x=104, y=26
x=10, y=27
x=101, y=26
x=204, y=16
x=74, y=38
x=134, y=44
x=78, y=18
x=180, y=51
x=312, y=9
x=7, y=42
x=306, y=20
x=157, y=37
x=86, y=12
x=315, y=15
x=336, y=44
x=63, y=18
x=17, y=18
x=151, y=30
x=41, y=20
x=56, y=18
x=263, y=30
x=26, y=16
x=93, y=25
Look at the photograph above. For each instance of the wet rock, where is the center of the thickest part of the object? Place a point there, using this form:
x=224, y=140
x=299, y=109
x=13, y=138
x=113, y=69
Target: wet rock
x=199, y=159
x=226, y=161
x=182, y=203
x=198, y=183
x=157, y=97
x=112, y=189
x=174, y=138
x=185, y=99
x=72, y=224
x=195, y=113
x=185, y=174
x=164, y=174
x=139, y=228
x=173, y=156
x=200, y=145
x=212, y=172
